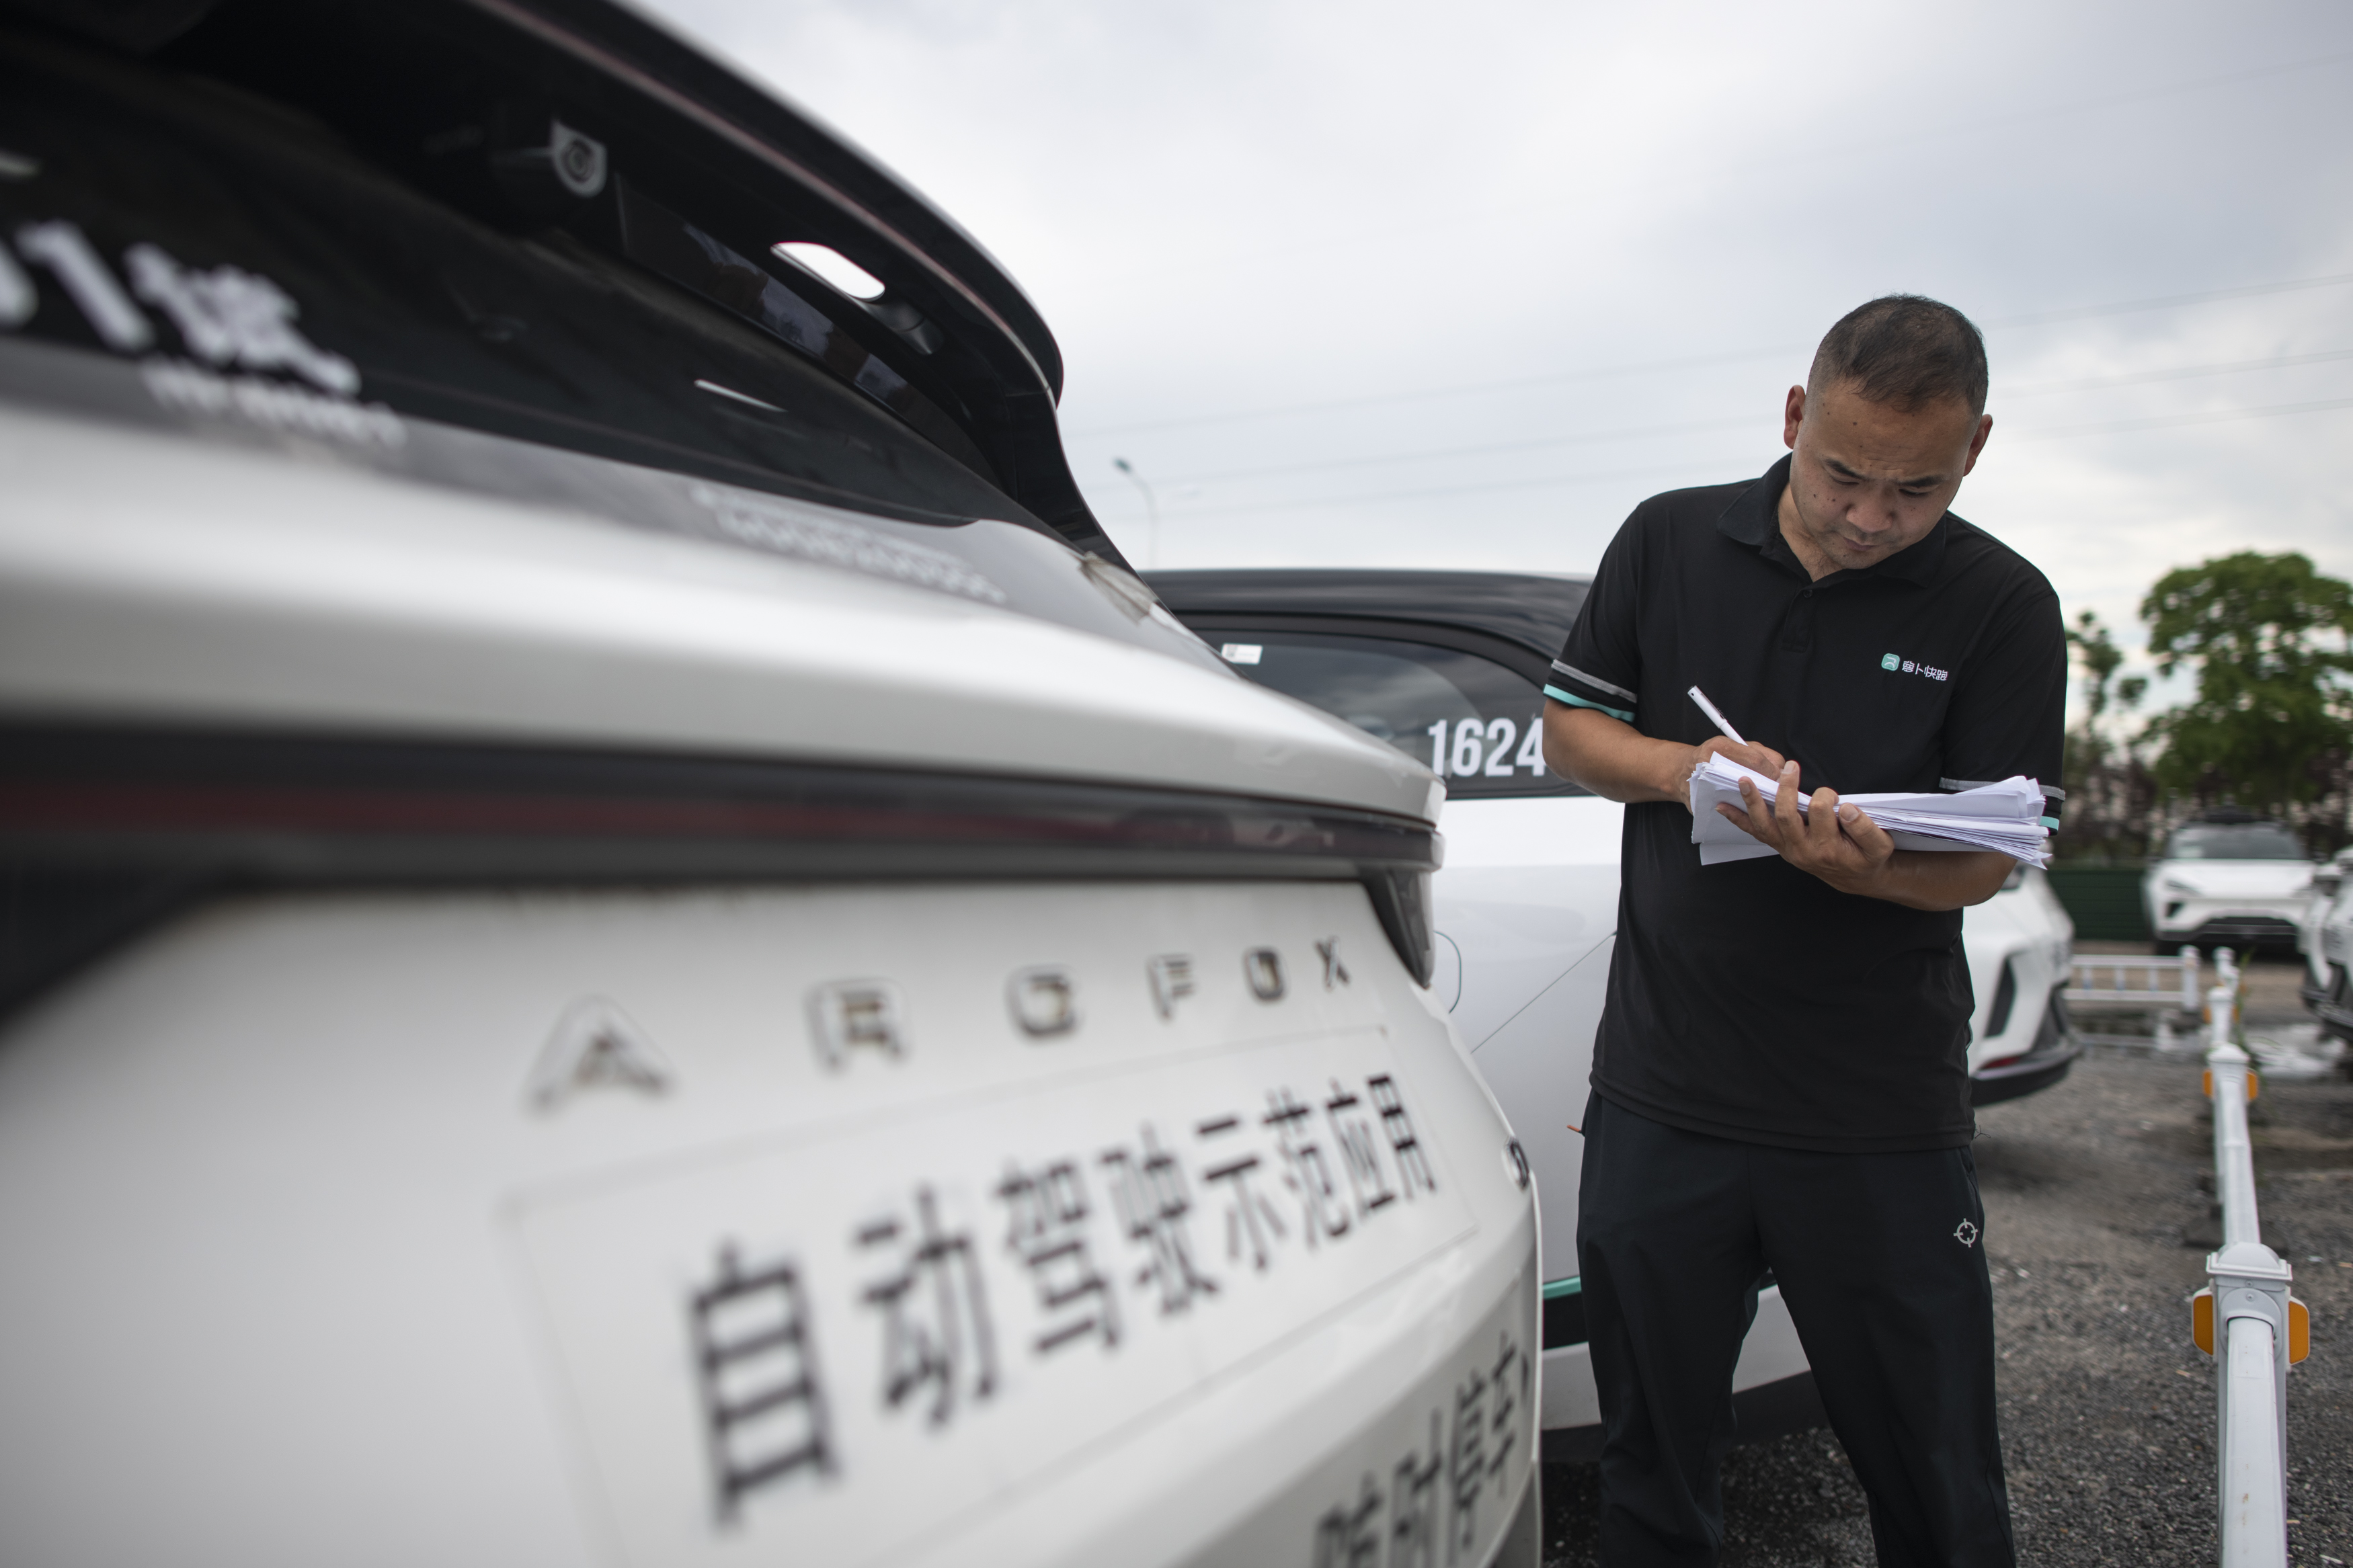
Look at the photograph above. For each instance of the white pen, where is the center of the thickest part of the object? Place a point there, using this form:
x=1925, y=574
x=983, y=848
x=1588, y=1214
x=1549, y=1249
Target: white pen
x=1720, y=722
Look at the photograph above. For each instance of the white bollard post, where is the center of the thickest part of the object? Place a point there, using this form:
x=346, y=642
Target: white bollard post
x=2188, y=956
x=2250, y=1313
x=2254, y=1490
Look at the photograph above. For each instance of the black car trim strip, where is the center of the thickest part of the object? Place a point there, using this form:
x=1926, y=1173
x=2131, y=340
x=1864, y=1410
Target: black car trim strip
x=105, y=831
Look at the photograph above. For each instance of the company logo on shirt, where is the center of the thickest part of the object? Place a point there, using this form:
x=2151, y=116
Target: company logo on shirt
x=1896, y=662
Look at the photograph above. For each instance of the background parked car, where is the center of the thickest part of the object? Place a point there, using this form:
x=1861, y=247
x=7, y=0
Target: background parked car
x=2228, y=878
x=2326, y=935
x=1448, y=667
x=624, y=940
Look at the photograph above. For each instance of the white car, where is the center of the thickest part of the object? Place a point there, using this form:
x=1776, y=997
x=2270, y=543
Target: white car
x=2326, y=936
x=2021, y=946
x=1449, y=667
x=2228, y=878
x=625, y=940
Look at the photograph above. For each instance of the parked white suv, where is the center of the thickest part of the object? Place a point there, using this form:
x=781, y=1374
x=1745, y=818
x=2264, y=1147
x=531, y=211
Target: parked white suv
x=625, y=941
x=2228, y=878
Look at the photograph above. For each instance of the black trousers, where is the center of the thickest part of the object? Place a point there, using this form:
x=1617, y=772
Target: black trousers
x=1879, y=1262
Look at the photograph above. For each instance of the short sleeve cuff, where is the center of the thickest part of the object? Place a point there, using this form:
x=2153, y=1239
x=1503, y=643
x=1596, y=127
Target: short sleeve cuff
x=1581, y=689
x=1624, y=715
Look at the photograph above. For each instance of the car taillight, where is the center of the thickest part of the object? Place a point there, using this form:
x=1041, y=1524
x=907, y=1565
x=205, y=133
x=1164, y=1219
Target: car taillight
x=104, y=831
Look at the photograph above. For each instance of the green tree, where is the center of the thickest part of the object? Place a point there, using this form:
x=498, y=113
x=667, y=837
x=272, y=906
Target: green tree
x=2272, y=724
x=2102, y=657
x=2110, y=796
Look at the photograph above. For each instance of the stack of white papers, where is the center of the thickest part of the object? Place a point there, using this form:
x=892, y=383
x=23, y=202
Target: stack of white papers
x=2005, y=817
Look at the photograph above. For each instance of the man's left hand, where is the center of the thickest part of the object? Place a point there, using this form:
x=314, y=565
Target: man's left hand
x=1838, y=843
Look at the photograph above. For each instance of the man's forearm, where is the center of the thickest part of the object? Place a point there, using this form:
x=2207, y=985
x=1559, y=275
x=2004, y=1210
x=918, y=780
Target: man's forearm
x=1937, y=879
x=1613, y=759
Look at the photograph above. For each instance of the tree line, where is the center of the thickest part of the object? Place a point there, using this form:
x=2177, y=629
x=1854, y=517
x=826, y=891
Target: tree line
x=2269, y=729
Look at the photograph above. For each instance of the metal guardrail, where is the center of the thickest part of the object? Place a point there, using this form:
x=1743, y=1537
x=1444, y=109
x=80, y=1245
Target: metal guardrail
x=2160, y=986
x=2245, y=1318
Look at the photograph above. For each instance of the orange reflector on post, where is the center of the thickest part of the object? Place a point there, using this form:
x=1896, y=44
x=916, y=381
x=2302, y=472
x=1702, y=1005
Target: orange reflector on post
x=2299, y=1330
x=2202, y=1319
x=2254, y=1084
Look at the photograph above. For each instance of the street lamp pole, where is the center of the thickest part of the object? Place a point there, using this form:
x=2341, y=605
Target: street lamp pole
x=1151, y=510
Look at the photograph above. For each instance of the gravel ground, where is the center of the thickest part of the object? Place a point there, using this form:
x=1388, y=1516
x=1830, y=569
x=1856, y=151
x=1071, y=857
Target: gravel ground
x=2107, y=1409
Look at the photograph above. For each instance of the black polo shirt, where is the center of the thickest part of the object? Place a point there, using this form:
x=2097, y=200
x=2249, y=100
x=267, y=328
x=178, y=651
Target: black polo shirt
x=1751, y=1000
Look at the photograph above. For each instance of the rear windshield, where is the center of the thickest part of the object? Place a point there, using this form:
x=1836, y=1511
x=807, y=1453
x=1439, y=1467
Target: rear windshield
x=255, y=270
x=2234, y=841
x=178, y=255
x=1469, y=719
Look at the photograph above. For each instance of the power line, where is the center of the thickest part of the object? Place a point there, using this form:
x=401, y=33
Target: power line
x=1559, y=480
x=1598, y=373
x=2168, y=300
x=2215, y=417
x=2180, y=372
x=1587, y=439
x=1647, y=367
x=1746, y=421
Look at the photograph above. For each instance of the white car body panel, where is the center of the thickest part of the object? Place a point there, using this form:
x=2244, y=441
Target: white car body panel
x=202, y=582
x=1529, y=888
x=2326, y=938
x=2027, y=927
x=209, y=1165
x=1539, y=1065
x=2309, y=925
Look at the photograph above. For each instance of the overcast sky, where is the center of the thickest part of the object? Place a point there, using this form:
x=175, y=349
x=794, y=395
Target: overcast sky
x=1375, y=284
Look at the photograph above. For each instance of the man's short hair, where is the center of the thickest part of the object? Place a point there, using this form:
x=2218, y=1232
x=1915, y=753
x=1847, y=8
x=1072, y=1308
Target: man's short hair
x=1905, y=351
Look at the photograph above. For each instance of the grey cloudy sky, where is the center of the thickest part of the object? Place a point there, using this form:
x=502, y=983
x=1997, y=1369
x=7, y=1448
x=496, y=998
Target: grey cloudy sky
x=1380, y=284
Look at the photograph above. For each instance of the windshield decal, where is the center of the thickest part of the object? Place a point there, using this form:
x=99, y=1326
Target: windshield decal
x=229, y=316
x=225, y=317
x=192, y=389
x=81, y=272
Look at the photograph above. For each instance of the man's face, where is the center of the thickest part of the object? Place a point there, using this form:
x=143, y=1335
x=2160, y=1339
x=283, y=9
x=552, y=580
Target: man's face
x=1868, y=479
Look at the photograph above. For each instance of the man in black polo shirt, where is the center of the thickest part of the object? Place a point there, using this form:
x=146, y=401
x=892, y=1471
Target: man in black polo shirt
x=1780, y=1078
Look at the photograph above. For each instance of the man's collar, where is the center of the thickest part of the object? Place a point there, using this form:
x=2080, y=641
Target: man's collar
x=1753, y=519
x=1753, y=515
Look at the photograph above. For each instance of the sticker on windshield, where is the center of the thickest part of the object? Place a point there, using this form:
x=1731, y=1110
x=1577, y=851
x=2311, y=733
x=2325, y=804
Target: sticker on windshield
x=838, y=1346
x=244, y=357
x=1484, y=748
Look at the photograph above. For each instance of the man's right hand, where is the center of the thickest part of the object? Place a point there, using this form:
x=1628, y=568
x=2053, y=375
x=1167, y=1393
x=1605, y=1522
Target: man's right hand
x=1618, y=761
x=1748, y=754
